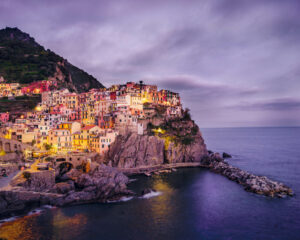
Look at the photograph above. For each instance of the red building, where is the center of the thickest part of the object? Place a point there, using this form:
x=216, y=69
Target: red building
x=37, y=87
x=113, y=96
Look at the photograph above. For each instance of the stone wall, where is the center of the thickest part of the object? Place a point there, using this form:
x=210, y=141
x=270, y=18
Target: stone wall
x=9, y=145
x=36, y=180
x=11, y=157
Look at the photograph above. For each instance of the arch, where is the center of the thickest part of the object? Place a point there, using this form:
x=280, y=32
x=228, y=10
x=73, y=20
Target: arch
x=65, y=167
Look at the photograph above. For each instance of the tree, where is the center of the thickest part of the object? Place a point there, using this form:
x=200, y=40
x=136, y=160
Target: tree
x=186, y=114
x=47, y=146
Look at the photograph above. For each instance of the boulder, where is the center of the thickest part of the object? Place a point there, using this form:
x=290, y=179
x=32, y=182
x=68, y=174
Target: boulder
x=250, y=182
x=226, y=155
x=64, y=187
x=147, y=190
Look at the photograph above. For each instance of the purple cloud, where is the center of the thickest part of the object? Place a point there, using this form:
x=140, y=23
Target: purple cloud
x=216, y=53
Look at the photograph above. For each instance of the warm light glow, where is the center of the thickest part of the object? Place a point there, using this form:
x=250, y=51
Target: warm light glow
x=159, y=130
x=36, y=90
x=38, y=109
x=144, y=100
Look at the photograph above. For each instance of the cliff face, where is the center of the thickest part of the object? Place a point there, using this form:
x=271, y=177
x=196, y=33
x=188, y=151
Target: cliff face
x=135, y=150
x=194, y=152
x=180, y=142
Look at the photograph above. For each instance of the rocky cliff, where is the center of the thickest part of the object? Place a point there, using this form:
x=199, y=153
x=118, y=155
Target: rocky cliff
x=175, y=141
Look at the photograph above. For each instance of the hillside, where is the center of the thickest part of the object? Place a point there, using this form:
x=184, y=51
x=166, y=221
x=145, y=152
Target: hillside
x=23, y=60
x=19, y=104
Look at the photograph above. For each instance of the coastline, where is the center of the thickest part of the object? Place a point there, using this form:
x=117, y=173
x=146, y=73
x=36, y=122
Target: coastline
x=24, y=201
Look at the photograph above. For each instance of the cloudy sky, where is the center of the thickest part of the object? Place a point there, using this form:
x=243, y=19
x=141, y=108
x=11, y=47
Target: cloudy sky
x=234, y=62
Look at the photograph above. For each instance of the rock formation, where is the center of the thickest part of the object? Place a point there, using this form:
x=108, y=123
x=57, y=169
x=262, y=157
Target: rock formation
x=100, y=185
x=181, y=141
x=252, y=183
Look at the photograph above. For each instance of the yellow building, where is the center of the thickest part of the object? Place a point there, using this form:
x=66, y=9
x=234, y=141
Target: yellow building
x=60, y=139
x=72, y=101
x=88, y=114
x=82, y=141
x=71, y=126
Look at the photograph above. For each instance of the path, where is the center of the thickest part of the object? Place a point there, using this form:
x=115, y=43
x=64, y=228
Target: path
x=4, y=181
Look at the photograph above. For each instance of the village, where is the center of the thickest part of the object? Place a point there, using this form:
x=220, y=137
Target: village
x=66, y=122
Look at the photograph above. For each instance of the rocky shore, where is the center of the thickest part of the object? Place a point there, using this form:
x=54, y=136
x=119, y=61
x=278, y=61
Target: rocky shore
x=105, y=184
x=252, y=183
x=102, y=184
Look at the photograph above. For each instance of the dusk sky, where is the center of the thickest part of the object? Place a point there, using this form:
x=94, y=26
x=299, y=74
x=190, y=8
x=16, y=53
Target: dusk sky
x=234, y=62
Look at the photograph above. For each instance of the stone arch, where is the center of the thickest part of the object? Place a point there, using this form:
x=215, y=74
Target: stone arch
x=65, y=167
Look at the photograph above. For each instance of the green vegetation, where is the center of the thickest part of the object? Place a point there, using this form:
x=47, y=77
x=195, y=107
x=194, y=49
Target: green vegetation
x=177, y=130
x=19, y=104
x=24, y=61
x=47, y=146
x=27, y=175
x=49, y=159
x=186, y=115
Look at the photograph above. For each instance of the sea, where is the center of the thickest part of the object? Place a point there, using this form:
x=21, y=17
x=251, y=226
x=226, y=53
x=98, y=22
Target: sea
x=190, y=203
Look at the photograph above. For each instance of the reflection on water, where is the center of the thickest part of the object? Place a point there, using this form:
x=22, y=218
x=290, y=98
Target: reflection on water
x=160, y=207
x=20, y=229
x=57, y=226
x=67, y=226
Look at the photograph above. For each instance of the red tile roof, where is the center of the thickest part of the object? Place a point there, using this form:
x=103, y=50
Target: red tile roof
x=88, y=127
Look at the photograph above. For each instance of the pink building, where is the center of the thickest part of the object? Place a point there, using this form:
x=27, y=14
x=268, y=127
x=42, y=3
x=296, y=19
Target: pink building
x=4, y=117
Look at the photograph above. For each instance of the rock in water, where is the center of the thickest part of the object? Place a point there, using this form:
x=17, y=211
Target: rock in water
x=226, y=155
x=250, y=182
x=147, y=190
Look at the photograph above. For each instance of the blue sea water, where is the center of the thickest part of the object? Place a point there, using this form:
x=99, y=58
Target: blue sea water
x=191, y=203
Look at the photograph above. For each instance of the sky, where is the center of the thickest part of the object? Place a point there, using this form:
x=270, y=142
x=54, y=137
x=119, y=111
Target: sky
x=235, y=63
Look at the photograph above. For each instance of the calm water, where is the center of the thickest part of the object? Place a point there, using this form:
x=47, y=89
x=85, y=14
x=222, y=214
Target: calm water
x=194, y=203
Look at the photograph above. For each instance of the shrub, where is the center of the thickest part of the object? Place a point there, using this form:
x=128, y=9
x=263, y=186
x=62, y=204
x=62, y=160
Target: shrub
x=27, y=175
x=47, y=146
x=186, y=114
x=195, y=130
x=49, y=159
x=187, y=141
